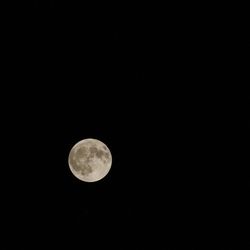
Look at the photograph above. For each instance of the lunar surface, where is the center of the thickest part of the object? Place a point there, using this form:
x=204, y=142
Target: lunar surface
x=90, y=160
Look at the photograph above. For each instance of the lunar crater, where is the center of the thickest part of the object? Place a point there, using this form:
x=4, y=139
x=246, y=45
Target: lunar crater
x=86, y=169
x=99, y=153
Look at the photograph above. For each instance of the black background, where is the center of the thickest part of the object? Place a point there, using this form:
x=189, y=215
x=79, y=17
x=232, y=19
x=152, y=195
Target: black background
x=147, y=85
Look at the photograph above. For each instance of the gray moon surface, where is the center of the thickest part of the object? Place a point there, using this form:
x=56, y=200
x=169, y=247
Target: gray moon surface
x=90, y=160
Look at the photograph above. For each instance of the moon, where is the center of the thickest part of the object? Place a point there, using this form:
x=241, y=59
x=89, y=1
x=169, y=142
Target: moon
x=90, y=160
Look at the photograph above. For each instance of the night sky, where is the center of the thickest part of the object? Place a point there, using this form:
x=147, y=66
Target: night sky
x=145, y=89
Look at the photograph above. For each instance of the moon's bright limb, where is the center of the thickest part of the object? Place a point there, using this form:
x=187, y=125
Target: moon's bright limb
x=90, y=160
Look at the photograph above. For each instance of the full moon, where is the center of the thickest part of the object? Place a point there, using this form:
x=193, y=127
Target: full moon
x=90, y=160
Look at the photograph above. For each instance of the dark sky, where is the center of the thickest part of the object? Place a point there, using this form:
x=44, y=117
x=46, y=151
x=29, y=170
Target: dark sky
x=144, y=88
